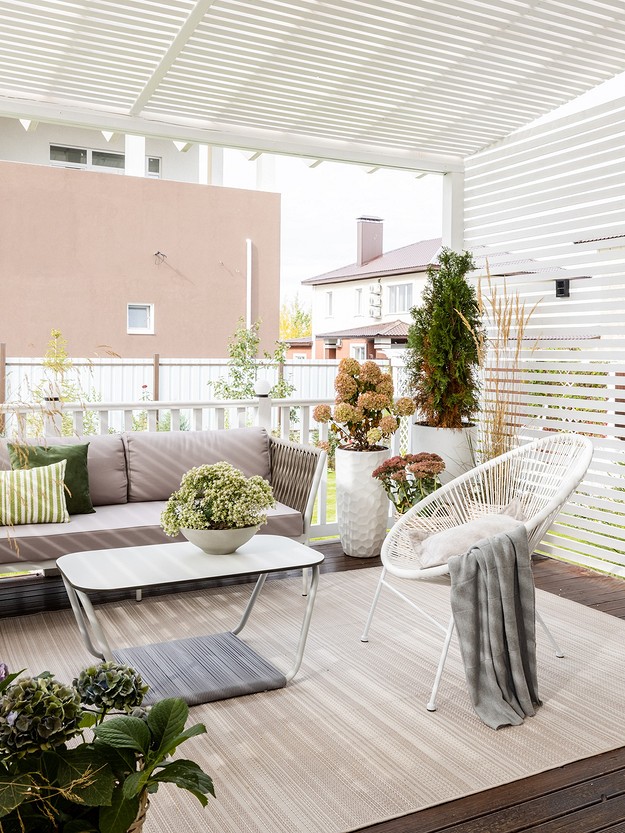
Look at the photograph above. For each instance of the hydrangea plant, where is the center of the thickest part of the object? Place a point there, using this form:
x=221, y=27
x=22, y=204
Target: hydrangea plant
x=407, y=478
x=38, y=713
x=108, y=686
x=365, y=413
x=50, y=783
x=217, y=496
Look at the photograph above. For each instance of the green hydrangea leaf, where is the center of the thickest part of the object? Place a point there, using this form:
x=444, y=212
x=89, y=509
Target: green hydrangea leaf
x=166, y=720
x=134, y=784
x=13, y=790
x=118, y=817
x=126, y=733
x=87, y=775
x=188, y=776
x=121, y=761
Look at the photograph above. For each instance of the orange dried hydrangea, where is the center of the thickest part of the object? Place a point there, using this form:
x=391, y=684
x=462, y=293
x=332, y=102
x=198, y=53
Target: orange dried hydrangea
x=364, y=413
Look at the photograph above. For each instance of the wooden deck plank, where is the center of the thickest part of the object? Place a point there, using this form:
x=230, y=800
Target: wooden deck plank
x=472, y=809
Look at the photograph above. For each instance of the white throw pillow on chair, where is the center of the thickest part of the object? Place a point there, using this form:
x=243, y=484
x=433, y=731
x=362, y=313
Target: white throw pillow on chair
x=436, y=549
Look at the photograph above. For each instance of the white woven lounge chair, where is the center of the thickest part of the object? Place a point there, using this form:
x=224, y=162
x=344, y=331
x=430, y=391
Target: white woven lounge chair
x=540, y=476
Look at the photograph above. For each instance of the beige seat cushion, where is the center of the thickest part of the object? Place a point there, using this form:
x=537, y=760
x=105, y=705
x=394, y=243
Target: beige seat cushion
x=130, y=525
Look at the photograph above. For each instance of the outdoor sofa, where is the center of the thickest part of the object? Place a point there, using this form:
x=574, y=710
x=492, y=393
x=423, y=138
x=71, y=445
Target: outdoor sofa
x=131, y=475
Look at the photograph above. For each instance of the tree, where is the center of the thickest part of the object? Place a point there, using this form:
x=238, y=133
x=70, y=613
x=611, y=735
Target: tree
x=59, y=385
x=244, y=364
x=445, y=342
x=295, y=319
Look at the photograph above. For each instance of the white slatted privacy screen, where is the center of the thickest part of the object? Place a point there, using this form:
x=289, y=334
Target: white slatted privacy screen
x=555, y=195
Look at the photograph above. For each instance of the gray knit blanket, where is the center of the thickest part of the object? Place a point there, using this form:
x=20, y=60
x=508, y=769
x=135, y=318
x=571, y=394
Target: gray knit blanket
x=492, y=599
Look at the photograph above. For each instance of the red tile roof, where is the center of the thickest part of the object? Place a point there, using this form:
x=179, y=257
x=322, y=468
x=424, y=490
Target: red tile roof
x=413, y=258
x=391, y=329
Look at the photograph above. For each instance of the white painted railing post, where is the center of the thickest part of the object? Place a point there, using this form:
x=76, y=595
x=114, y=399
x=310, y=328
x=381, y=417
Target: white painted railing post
x=264, y=412
x=264, y=404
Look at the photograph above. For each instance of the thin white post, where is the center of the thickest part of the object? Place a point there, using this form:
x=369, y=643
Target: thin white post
x=248, y=276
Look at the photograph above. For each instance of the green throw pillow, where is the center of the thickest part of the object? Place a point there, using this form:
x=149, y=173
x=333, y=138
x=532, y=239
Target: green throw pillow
x=77, y=495
x=33, y=496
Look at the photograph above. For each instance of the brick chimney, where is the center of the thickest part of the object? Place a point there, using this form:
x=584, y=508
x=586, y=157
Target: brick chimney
x=369, y=242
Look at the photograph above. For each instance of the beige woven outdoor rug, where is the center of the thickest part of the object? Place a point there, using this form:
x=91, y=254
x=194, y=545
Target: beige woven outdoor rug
x=349, y=742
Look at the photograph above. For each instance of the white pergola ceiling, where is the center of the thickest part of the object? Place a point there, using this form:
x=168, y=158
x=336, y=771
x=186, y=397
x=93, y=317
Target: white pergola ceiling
x=417, y=84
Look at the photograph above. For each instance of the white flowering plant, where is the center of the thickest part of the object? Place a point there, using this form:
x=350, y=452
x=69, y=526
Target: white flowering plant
x=365, y=413
x=217, y=496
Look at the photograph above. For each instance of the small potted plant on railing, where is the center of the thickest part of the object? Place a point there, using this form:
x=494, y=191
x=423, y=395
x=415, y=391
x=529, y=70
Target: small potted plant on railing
x=217, y=507
x=103, y=783
x=365, y=416
x=408, y=478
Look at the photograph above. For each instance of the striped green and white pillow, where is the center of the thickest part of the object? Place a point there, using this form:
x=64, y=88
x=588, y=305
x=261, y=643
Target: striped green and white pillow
x=33, y=496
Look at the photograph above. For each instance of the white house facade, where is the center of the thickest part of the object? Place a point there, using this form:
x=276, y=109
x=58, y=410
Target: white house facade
x=359, y=309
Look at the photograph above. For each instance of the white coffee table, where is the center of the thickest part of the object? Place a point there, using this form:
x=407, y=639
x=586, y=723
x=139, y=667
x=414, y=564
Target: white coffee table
x=198, y=668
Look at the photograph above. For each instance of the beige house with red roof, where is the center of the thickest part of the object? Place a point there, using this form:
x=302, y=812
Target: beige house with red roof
x=363, y=309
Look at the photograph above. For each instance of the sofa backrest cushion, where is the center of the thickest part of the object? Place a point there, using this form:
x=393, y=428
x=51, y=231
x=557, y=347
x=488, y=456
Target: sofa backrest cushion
x=106, y=464
x=157, y=460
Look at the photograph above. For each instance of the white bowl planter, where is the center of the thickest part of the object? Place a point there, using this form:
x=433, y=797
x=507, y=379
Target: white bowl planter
x=220, y=541
x=362, y=506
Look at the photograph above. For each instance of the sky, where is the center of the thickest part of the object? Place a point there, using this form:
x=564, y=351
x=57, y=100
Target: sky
x=320, y=204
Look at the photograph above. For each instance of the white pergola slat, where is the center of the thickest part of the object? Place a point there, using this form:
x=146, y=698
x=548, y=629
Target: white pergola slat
x=413, y=83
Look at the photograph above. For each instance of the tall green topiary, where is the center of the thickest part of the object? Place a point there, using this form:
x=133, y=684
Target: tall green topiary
x=444, y=344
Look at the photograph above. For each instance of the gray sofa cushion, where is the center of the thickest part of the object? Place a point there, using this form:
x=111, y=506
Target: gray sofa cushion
x=157, y=461
x=133, y=524
x=106, y=463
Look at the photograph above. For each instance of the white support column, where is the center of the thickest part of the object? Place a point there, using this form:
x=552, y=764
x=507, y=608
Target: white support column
x=215, y=165
x=453, y=211
x=210, y=165
x=135, y=155
x=265, y=172
x=203, y=155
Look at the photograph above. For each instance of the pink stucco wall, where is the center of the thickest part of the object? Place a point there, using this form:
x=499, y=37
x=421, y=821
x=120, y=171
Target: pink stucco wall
x=76, y=247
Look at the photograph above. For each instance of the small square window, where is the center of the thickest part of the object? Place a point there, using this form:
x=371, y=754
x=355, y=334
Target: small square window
x=140, y=319
x=153, y=167
x=400, y=297
x=359, y=352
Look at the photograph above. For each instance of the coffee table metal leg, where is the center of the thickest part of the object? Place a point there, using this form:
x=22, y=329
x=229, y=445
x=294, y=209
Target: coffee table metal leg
x=251, y=603
x=85, y=617
x=312, y=592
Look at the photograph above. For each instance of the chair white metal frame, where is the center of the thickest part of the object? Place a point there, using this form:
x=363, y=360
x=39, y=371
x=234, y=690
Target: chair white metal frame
x=541, y=475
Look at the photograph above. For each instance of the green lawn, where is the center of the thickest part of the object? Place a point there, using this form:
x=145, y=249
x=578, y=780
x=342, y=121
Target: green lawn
x=331, y=504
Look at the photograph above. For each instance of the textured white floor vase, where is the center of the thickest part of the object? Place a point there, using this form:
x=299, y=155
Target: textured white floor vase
x=362, y=506
x=349, y=742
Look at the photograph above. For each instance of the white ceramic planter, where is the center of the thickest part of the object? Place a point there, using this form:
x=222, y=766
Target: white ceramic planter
x=362, y=507
x=219, y=541
x=455, y=446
